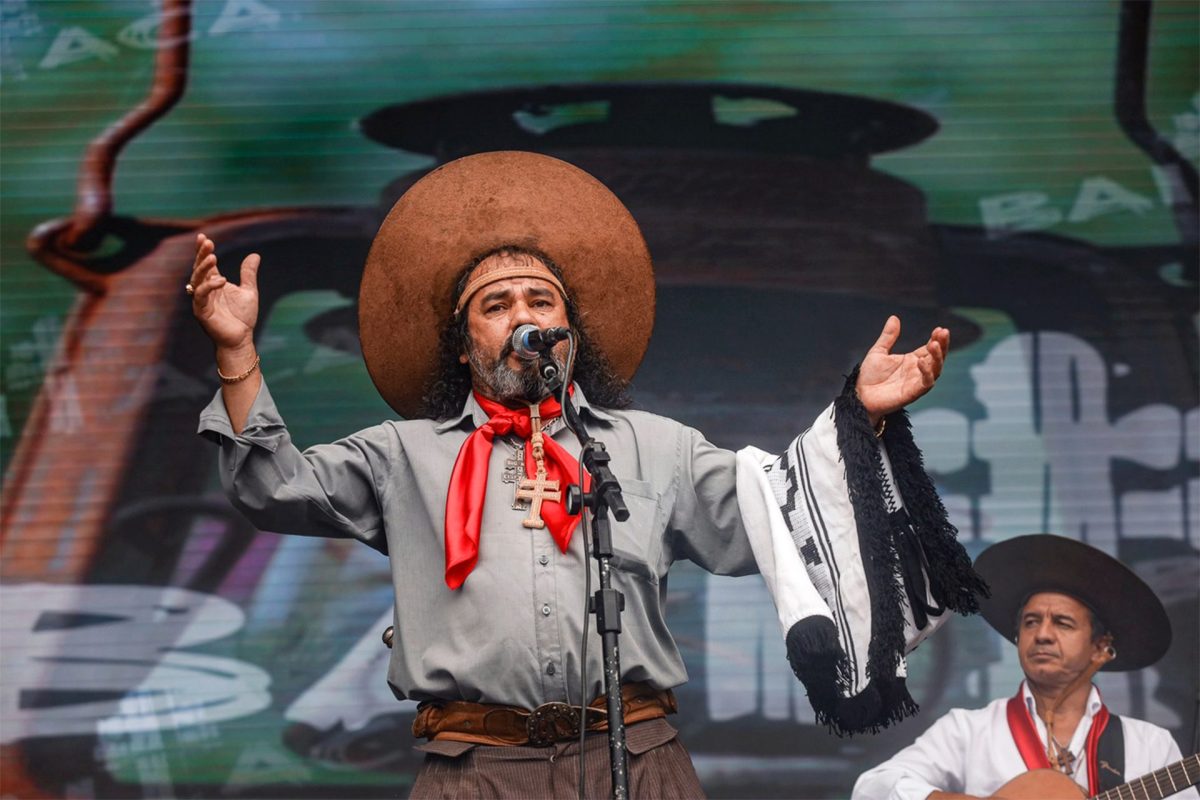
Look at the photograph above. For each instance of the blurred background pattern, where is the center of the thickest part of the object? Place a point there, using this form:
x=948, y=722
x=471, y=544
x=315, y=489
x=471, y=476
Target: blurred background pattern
x=1024, y=172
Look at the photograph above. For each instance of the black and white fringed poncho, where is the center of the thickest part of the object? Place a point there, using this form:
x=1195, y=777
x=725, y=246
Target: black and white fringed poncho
x=859, y=558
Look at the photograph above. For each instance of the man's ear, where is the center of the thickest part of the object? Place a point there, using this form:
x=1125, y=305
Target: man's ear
x=1104, y=651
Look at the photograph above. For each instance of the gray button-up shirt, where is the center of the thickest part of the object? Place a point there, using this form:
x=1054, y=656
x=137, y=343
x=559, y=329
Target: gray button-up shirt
x=512, y=633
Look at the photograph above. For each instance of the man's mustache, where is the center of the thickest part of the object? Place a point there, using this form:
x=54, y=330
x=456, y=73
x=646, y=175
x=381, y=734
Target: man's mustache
x=502, y=358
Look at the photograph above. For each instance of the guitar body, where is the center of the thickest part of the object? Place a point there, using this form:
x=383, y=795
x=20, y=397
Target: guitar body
x=1048, y=784
x=1040, y=784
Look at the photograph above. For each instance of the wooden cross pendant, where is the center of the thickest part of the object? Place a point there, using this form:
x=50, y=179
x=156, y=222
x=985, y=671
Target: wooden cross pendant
x=537, y=489
x=1065, y=761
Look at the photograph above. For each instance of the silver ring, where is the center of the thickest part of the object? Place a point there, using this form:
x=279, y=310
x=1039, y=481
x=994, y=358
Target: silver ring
x=191, y=290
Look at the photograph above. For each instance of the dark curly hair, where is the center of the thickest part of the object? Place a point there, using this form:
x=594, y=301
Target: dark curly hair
x=451, y=383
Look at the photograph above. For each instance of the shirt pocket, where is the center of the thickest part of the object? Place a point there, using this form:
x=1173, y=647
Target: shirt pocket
x=637, y=542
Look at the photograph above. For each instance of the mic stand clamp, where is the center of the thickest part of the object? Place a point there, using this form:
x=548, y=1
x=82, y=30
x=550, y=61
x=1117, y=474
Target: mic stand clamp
x=607, y=603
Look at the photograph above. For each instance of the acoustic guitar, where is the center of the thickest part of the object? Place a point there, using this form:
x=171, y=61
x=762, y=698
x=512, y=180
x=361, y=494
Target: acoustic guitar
x=1049, y=784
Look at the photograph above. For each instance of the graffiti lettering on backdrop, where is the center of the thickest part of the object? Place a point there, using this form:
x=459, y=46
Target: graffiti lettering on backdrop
x=1050, y=447
x=75, y=44
x=1097, y=196
x=81, y=660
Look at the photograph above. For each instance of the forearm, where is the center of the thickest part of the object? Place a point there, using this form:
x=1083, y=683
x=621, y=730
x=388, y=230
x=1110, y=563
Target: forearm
x=933, y=766
x=328, y=490
x=900, y=781
x=238, y=395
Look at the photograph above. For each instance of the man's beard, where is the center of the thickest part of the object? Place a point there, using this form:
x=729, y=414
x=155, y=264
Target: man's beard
x=503, y=382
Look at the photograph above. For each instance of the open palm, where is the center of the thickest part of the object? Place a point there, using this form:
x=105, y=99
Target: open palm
x=889, y=381
x=226, y=311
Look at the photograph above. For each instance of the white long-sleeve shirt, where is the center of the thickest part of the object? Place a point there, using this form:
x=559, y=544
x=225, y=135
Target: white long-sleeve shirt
x=973, y=752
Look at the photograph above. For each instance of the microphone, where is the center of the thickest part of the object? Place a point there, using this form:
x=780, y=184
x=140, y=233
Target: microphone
x=528, y=341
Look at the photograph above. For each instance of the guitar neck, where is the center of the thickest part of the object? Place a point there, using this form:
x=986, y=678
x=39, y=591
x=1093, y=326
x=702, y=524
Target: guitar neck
x=1157, y=785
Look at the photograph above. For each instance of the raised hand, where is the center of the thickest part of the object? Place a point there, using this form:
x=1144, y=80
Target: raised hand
x=227, y=312
x=889, y=381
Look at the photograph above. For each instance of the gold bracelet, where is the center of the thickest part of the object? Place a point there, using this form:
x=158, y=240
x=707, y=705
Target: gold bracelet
x=878, y=428
x=238, y=378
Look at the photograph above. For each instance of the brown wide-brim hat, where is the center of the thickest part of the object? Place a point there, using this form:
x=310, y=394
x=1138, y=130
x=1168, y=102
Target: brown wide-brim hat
x=1025, y=565
x=477, y=204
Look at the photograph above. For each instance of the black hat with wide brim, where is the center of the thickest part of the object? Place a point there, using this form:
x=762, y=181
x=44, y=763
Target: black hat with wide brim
x=1023, y=566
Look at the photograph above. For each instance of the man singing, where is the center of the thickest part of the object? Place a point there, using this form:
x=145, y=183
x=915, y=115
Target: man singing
x=466, y=493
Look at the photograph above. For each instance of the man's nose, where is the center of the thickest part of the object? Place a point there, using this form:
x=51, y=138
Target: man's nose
x=522, y=313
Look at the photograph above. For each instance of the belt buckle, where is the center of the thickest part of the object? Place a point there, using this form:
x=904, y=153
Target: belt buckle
x=552, y=722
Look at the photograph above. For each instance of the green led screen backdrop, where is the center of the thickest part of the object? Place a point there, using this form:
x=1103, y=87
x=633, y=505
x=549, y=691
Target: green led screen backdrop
x=1022, y=172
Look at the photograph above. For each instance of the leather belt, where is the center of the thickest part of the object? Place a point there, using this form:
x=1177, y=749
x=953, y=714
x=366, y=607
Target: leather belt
x=509, y=726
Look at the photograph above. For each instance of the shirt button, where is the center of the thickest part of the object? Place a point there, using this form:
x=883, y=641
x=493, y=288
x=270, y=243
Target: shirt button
x=544, y=560
x=545, y=611
x=550, y=668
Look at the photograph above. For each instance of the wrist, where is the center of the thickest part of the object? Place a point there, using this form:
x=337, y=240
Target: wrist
x=872, y=416
x=878, y=424
x=877, y=418
x=237, y=359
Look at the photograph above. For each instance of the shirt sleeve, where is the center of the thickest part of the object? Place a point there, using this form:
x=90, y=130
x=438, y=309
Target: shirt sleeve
x=328, y=490
x=706, y=522
x=934, y=762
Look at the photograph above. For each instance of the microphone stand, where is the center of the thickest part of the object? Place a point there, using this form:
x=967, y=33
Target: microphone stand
x=607, y=603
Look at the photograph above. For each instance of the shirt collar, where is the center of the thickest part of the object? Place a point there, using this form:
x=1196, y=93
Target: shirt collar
x=1094, y=702
x=472, y=410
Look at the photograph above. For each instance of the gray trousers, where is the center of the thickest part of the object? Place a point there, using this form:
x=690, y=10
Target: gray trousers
x=659, y=767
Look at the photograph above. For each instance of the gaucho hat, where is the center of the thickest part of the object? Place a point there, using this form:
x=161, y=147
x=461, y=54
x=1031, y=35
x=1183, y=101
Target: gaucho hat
x=1020, y=567
x=477, y=204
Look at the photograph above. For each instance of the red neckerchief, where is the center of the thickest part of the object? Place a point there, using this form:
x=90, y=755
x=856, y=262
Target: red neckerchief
x=468, y=484
x=1033, y=752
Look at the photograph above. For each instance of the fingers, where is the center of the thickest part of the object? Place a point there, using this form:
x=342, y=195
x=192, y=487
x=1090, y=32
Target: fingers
x=250, y=271
x=204, y=277
x=929, y=364
x=211, y=281
x=204, y=247
x=889, y=335
x=932, y=356
x=205, y=259
x=942, y=337
x=204, y=268
x=938, y=347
